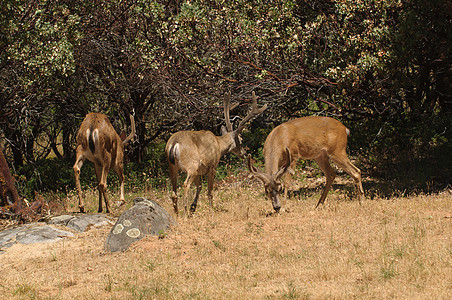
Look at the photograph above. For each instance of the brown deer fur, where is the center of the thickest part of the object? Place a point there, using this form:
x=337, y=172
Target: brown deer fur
x=98, y=142
x=8, y=192
x=198, y=153
x=318, y=138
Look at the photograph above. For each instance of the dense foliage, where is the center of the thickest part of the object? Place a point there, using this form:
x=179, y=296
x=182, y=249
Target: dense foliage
x=383, y=67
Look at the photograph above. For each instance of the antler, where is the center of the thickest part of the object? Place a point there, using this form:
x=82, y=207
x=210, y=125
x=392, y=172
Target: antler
x=255, y=111
x=131, y=136
x=227, y=108
x=286, y=167
x=266, y=178
x=254, y=172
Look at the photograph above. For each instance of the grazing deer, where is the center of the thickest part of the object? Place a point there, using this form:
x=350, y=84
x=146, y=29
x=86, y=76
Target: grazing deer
x=198, y=153
x=8, y=193
x=98, y=142
x=318, y=138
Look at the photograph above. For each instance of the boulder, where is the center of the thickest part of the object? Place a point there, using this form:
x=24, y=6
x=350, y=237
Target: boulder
x=32, y=234
x=143, y=218
x=42, y=233
x=8, y=236
x=60, y=220
x=81, y=222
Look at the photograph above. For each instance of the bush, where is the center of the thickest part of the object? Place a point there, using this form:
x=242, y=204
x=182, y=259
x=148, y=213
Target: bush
x=51, y=175
x=412, y=153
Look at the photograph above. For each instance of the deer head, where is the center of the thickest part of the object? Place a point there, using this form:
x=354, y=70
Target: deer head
x=272, y=182
x=236, y=139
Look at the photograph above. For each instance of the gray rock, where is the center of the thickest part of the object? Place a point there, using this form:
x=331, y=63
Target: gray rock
x=144, y=218
x=42, y=234
x=8, y=236
x=60, y=220
x=83, y=222
x=32, y=234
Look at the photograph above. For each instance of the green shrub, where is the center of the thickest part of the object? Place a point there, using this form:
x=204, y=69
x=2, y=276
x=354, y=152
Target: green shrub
x=51, y=175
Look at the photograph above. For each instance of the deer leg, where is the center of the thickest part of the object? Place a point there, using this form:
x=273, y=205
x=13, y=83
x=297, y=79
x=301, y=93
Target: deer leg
x=287, y=181
x=343, y=162
x=103, y=185
x=120, y=172
x=210, y=182
x=187, y=183
x=98, y=171
x=288, y=178
x=173, y=173
x=324, y=164
x=198, y=190
x=77, y=167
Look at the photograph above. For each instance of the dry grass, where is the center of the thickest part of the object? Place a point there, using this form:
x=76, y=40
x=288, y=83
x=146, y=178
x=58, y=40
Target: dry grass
x=397, y=248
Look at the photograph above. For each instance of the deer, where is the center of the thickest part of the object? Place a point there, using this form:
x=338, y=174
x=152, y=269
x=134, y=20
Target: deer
x=315, y=137
x=198, y=153
x=98, y=142
x=8, y=192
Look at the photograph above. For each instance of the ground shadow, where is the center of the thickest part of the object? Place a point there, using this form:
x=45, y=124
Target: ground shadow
x=373, y=188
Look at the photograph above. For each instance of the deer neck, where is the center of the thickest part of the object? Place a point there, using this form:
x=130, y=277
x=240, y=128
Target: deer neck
x=226, y=143
x=271, y=159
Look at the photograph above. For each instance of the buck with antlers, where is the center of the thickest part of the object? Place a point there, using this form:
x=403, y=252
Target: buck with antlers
x=318, y=138
x=198, y=153
x=98, y=142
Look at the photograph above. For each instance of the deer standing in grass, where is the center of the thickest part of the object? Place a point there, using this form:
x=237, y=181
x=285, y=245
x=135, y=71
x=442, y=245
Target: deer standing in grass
x=318, y=138
x=98, y=142
x=198, y=153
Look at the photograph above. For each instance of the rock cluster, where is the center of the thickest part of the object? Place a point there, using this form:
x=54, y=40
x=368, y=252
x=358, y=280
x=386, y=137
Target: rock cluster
x=143, y=218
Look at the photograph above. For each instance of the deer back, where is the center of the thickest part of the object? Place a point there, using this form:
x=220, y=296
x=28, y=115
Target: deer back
x=306, y=138
x=194, y=150
x=98, y=135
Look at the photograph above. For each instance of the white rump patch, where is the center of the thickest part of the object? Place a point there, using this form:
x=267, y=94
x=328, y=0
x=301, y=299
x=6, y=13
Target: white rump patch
x=176, y=150
x=88, y=132
x=96, y=135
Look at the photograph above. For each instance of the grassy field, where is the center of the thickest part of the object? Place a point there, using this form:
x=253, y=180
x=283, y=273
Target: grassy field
x=396, y=247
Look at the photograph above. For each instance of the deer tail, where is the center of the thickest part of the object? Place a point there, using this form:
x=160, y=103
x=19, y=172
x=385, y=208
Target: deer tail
x=92, y=136
x=173, y=153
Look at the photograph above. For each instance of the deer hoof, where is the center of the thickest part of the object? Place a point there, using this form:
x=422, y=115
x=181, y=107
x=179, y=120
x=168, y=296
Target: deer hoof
x=120, y=203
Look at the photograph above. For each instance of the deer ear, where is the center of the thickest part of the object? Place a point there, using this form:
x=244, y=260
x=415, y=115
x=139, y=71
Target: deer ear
x=223, y=130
